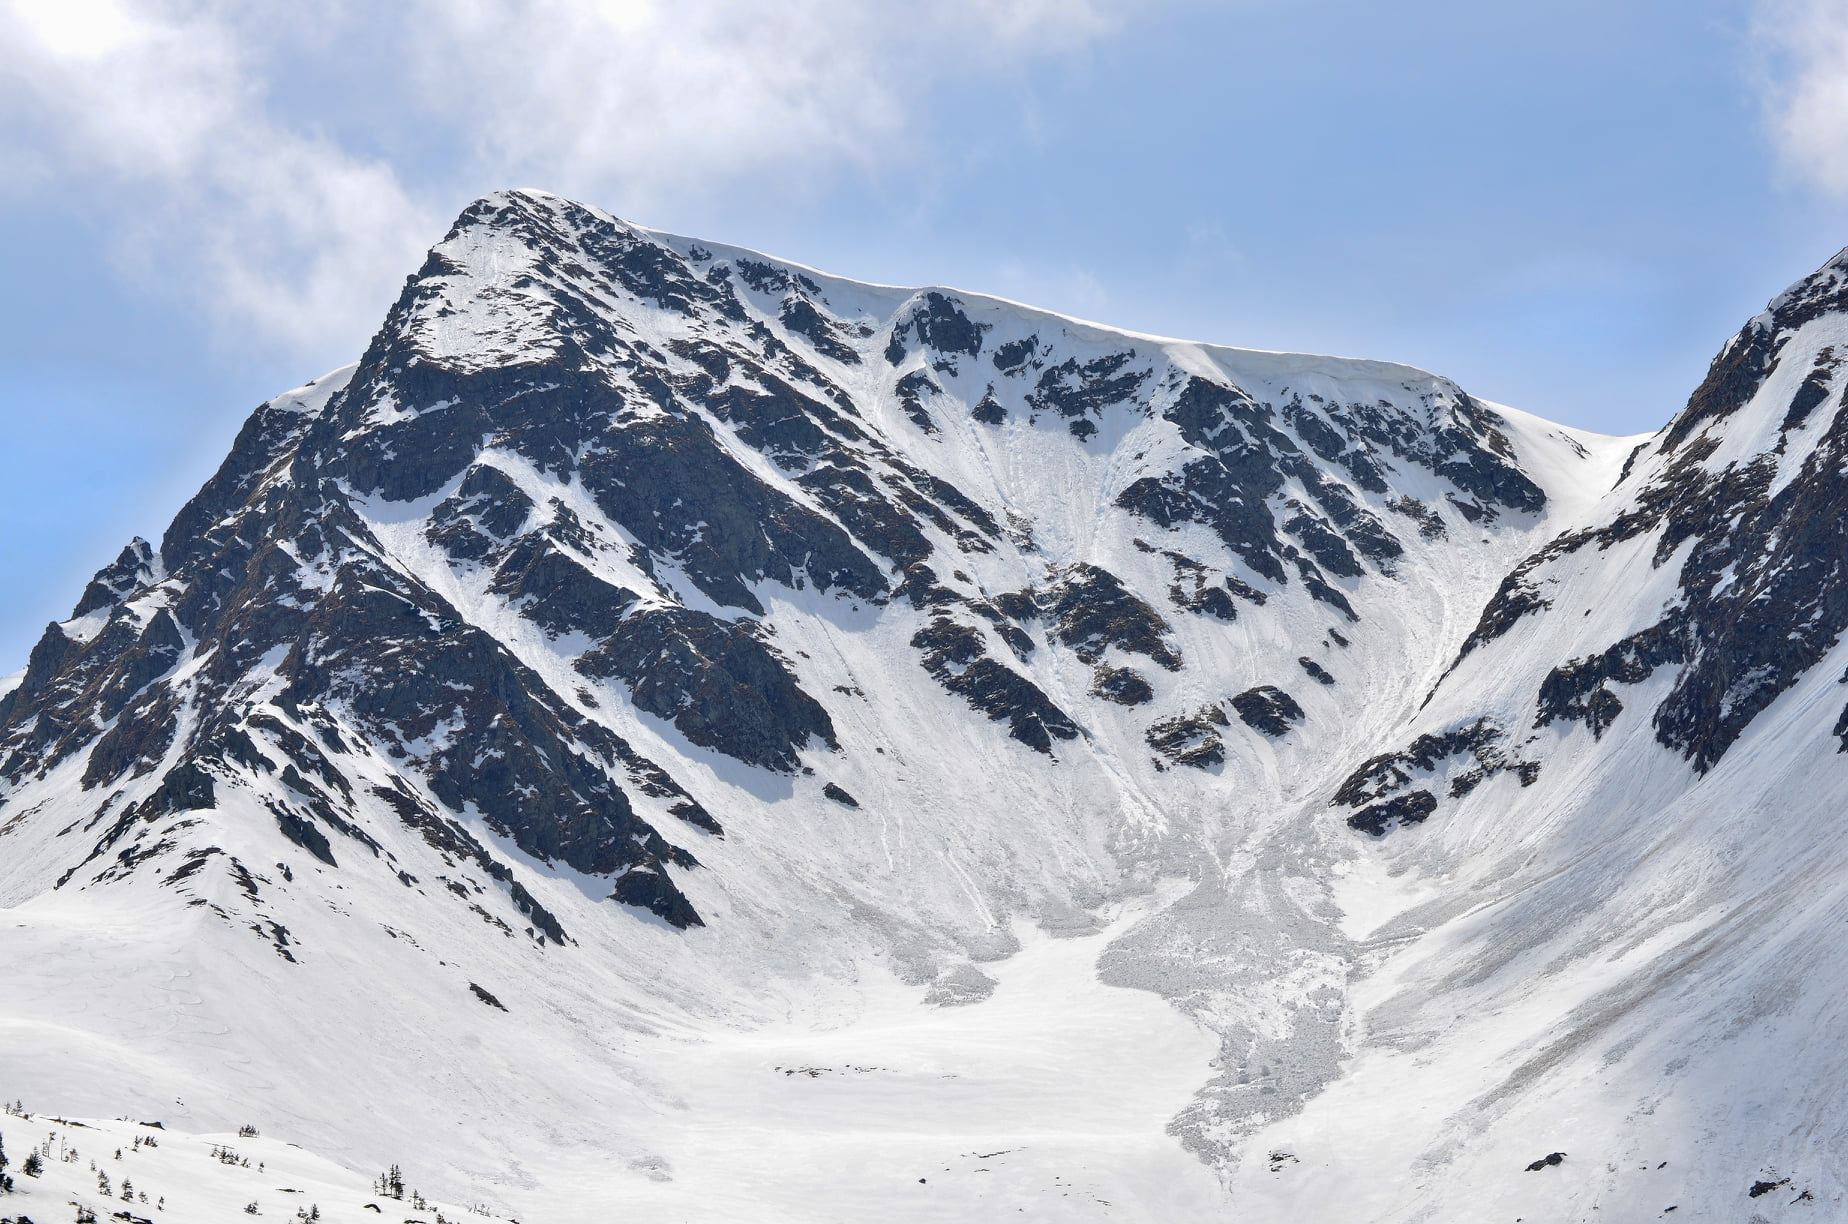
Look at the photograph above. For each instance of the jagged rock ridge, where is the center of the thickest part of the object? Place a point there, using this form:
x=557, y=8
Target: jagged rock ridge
x=701, y=415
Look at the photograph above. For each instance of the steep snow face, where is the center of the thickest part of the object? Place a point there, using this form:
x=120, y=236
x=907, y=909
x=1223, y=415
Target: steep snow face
x=670, y=712
x=1632, y=959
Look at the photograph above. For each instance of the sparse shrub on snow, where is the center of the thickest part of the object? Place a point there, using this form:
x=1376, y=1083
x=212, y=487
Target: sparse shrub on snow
x=390, y=1184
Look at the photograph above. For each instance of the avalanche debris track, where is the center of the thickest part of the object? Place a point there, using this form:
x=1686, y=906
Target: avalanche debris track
x=653, y=664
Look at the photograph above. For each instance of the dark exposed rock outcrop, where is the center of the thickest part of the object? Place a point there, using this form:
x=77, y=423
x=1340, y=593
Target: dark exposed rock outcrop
x=1267, y=708
x=1191, y=739
x=957, y=658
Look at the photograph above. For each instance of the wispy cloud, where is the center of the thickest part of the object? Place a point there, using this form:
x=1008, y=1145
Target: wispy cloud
x=153, y=117
x=278, y=213
x=637, y=97
x=1804, y=80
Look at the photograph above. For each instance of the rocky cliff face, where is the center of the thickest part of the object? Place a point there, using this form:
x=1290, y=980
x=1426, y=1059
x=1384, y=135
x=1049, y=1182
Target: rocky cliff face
x=1735, y=518
x=655, y=621
x=631, y=444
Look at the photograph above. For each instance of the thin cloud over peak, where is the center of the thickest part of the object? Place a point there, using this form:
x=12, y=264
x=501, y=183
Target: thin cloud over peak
x=295, y=230
x=1805, y=87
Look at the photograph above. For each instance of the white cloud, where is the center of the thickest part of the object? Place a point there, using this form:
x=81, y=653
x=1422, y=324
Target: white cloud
x=152, y=115
x=638, y=99
x=79, y=29
x=1805, y=83
x=279, y=209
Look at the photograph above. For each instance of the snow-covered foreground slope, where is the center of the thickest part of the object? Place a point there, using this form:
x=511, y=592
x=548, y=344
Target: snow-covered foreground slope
x=896, y=1109
x=671, y=731
x=135, y=1169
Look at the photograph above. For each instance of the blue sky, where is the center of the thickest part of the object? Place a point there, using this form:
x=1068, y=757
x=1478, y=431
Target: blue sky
x=1565, y=206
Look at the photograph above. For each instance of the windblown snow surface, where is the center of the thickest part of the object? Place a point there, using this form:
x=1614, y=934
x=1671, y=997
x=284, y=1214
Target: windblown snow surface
x=671, y=734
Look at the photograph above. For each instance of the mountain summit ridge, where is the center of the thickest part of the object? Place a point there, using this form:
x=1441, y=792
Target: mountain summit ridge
x=663, y=641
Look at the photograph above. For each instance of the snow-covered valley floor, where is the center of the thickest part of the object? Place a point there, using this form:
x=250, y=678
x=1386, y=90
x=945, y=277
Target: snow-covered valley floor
x=1048, y=1101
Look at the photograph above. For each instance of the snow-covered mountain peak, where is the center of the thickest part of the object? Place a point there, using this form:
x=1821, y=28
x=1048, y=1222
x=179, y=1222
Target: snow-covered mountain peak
x=658, y=642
